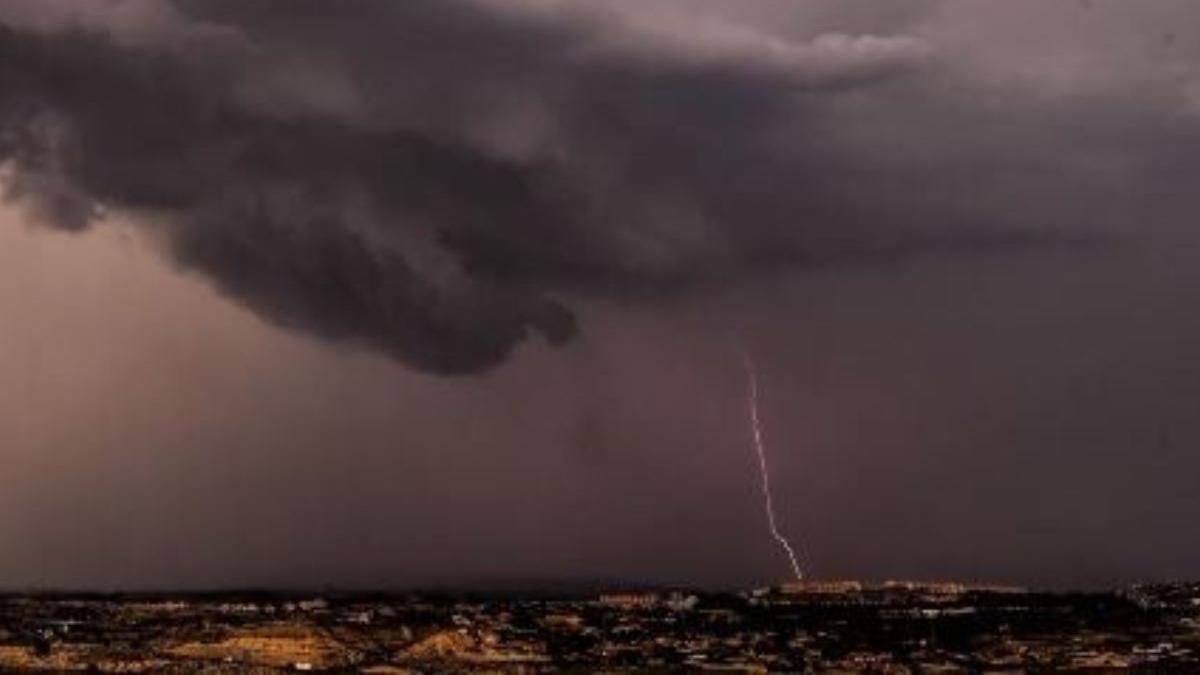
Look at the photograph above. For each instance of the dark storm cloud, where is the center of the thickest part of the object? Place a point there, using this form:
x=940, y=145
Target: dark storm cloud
x=263, y=204
x=426, y=177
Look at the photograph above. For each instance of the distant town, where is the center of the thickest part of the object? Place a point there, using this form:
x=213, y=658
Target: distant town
x=894, y=627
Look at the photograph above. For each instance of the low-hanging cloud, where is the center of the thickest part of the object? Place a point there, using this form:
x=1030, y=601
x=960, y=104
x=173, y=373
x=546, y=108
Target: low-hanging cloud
x=433, y=178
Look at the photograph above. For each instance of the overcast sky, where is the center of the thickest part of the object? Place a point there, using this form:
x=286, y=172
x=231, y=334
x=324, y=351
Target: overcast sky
x=394, y=294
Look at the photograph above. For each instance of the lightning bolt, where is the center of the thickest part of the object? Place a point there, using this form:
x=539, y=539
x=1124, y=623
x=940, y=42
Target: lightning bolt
x=764, y=472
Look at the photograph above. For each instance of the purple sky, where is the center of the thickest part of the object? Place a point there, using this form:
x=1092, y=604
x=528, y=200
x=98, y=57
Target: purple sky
x=450, y=292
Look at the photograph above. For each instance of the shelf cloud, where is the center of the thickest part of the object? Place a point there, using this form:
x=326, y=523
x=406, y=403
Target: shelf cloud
x=438, y=179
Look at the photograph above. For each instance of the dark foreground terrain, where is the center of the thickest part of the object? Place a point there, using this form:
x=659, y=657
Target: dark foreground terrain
x=895, y=627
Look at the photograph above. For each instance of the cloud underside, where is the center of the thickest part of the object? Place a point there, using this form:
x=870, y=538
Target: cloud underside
x=436, y=179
